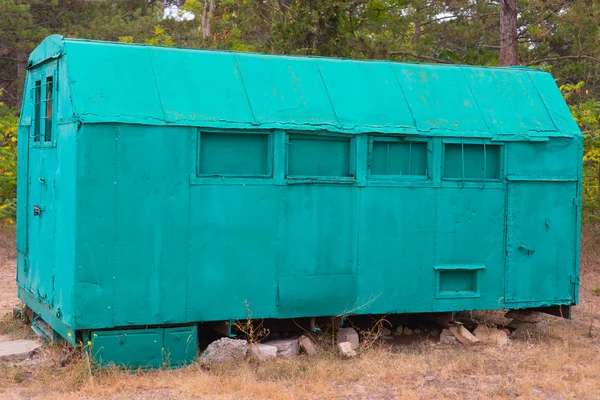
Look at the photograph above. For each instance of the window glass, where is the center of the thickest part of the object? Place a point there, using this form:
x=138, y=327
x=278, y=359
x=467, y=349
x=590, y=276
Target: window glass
x=399, y=158
x=316, y=156
x=232, y=154
x=48, y=118
x=37, y=110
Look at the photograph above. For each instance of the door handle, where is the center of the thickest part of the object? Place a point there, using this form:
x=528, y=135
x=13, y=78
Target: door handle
x=528, y=249
x=36, y=210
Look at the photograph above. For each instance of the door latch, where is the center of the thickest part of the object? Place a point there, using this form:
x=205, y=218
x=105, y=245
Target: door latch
x=36, y=210
x=527, y=249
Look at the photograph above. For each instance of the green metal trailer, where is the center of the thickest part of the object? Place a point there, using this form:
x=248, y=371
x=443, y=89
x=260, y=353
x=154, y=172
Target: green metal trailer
x=159, y=188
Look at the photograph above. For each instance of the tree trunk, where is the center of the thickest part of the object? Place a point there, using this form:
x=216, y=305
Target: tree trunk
x=508, y=32
x=207, y=13
x=21, y=57
x=417, y=35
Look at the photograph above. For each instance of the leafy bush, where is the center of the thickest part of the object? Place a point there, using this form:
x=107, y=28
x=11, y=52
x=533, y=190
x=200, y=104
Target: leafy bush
x=586, y=111
x=8, y=164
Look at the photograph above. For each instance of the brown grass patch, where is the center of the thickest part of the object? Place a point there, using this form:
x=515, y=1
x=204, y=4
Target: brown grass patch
x=8, y=250
x=561, y=364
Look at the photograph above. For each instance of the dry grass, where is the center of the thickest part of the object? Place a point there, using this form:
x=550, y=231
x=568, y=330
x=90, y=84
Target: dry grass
x=8, y=251
x=562, y=364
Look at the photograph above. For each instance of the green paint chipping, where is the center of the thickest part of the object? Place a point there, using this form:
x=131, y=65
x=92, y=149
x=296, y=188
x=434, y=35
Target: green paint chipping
x=167, y=187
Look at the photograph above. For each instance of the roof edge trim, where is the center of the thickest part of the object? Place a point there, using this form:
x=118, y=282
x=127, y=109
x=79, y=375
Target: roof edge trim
x=51, y=47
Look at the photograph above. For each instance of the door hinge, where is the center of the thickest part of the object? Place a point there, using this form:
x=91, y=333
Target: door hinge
x=577, y=201
x=575, y=279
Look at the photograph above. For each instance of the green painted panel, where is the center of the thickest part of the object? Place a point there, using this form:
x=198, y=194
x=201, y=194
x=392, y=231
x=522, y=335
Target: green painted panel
x=51, y=47
x=145, y=348
x=96, y=214
x=540, y=262
x=252, y=90
x=65, y=227
x=200, y=86
x=319, y=156
x=132, y=348
x=180, y=346
x=113, y=80
x=395, y=257
x=439, y=98
x=151, y=225
x=222, y=154
x=503, y=96
x=285, y=90
x=44, y=175
x=380, y=102
x=464, y=216
x=322, y=295
x=469, y=231
x=42, y=224
x=316, y=235
x=551, y=96
x=233, y=251
x=554, y=159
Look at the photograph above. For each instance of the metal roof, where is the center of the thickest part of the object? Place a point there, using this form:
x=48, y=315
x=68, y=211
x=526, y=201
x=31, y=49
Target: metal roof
x=128, y=83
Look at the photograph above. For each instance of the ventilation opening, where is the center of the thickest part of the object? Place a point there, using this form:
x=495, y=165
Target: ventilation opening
x=458, y=281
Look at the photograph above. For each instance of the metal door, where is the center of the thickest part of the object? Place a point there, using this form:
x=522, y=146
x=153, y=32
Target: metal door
x=541, y=241
x=42, y=184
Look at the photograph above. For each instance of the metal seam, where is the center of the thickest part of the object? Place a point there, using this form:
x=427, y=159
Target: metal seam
x=239, y=69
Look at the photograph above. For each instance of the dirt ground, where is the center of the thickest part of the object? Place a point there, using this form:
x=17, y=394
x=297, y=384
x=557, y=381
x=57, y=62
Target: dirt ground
x=561, y=364
x=8, y=289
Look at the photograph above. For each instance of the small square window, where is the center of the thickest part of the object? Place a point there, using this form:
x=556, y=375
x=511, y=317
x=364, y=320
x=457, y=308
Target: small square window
x=471, y=161
x=234, y=154
x=398, y=158
x=319, y=156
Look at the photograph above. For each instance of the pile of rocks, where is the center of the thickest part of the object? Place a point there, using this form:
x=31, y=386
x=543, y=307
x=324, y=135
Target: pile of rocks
x=227, y=350
x=406, y=331
x=458, y=333
x=525, y=323
x=347, y=342
x=233, y=350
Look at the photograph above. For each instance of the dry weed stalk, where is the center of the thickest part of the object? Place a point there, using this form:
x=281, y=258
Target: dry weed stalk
x=347, y=313
x=370, y=336
x=253, y=333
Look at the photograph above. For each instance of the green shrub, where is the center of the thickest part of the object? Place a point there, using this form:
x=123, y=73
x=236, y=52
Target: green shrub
x=8, y=164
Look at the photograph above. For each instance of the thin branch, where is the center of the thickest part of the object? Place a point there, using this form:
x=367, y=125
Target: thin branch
x=418, y=56
x=549, y=59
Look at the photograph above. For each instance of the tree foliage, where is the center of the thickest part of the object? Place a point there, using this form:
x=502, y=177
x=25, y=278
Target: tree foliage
x=8, y=164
